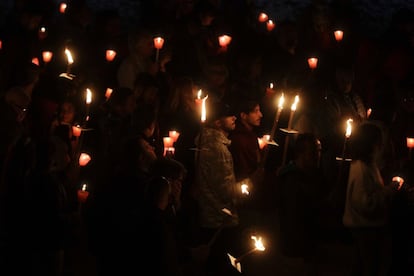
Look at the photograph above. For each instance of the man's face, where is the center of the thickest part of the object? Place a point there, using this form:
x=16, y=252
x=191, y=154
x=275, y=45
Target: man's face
x=253, y=118
x=228, y=124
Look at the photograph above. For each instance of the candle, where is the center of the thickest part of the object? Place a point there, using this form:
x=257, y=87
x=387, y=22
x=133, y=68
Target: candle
x=76, y=130
x=88, y=102
x=84, y=159
x=204, y=109
x=158, y=43
x=35, y=60
x=108, y=93
x=339, y=35
x=174, y=135
x=263, y=17
x=69, y=58
x=262, y=142
x=110, y=55
x=42, y=34
x=83, y=194
x=47, y=56
x=168, y=142
x=62, y=7
x=270, y=25
x=410, y=142
x=369, y=111
x=313, y=62
x=244, y=189
x=224, y=40
x=235, y=262
x=292, y=111
x=398, y=179
x=348, y=131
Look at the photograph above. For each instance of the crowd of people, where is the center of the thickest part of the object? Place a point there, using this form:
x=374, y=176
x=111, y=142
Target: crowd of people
x=187, y=209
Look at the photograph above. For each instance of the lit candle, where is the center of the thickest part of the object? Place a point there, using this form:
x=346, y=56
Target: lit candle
x=224, y=40
x=262, y=142
x=168, y=142
x=313, y=62
x=244, y=189
x=83, y=194
x=76, y=130
x=204, y=109
x=35, y=60
x=84, y=159
x=62, y=7
x=110, y=55
x=398, y=179
x=42, y=34
x=258, y=246
x=158, y=43
x=174, y=135
x=47, y=56
x=270, y=25
x=88, y=102
x=69, y=58
x=339, y=35
x=292, y=111
x=263, y=17
x=369, y=111
x=348, y=131
x=108, y=93
x=410, y=142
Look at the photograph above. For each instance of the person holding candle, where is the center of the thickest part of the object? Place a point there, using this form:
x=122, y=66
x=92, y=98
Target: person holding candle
x=247, y=156
x=217, y=185
x=369, y=202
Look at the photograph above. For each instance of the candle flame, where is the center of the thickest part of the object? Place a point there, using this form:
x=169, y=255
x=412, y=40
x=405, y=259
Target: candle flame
x=158, y=42
x=295, y=103
x=258, y=243
x=43, y=29
x=88, y=96
x=281, y=101
x=245, y=189
x=271, y=85
x=199, y=93
x=69, y=56
x=348, y=128
x=84, y=187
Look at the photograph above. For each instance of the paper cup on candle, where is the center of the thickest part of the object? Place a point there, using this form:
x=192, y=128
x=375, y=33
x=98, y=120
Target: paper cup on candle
x=224, y=40
x=108, y=93
x=263, y=17
x=62, y=7
x=35, y=60
x=313, y=62
x=84, y=159
x=410, y=142
x=270, y=25
x=168, y=142
x=76, y=131
x=110, y=55
x=47, y=56
x=174, y=135
x=339, y=35
x=83, y=194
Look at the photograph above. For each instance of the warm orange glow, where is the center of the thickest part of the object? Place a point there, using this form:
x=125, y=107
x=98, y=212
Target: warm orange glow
x=42, y=34
x=258, y=243
x=244, y=189
x=170, y=151
x=295, y=103
x=47, y=56
x=339, y=35
x=83, y=194
x=88, y=96
x=281, y=101
x=35, y=60
x=69, y=56
x=84, y=159
x=108, y=93
x=270, y=25
x=1, y=44
x=168, y=142
x=204, y=109
x=263, y=17
x=410, y=142
x=369, y=111
x=174, y=135
x=76, y=130
x=313, y=62
x=262, y=142
x=348, y=128
x=158, y=42
x=110, y=55
x=224, y=40
x=62, y=7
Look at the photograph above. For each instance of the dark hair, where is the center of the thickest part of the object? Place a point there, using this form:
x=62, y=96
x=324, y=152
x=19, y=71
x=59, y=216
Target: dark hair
x=364, y=140
x=246, y=105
